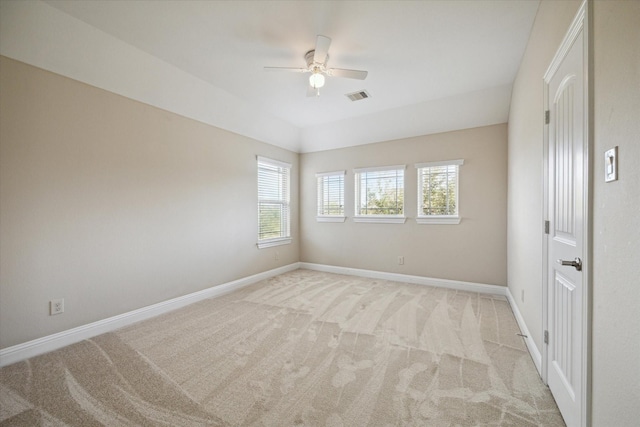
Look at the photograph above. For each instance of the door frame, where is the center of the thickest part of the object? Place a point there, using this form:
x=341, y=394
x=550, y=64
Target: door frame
x=581, y=22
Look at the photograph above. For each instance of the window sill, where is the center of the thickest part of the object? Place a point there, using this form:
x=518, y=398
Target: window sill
x=381, y=219
x=439, y=219
x=273, y=242
x=327, y=218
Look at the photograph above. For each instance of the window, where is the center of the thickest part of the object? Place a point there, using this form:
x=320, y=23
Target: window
x=438, y=192
x=273, y=203
x=330, y=196
x=380, y=194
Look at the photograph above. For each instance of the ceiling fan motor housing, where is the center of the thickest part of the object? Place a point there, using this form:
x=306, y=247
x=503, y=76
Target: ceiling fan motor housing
x=308, y=57
x=316, y=60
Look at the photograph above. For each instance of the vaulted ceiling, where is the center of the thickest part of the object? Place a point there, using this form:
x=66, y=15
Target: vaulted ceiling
x=433, y=65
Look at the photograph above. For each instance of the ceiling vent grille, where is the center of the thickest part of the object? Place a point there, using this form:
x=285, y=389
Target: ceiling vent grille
x=359, y=95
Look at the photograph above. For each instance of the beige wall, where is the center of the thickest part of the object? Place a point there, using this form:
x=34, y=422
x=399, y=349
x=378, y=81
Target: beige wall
x=114, y=205
x=616, y=206
x=474, y=250
x=616, y=219
x=525, y=217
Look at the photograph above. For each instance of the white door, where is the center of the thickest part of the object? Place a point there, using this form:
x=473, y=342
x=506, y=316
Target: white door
x=567, y=153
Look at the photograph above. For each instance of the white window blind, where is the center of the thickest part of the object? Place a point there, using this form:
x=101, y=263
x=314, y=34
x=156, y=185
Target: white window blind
x=274, y=222
x=330, y=196
x=380, y=194
x=438, y=192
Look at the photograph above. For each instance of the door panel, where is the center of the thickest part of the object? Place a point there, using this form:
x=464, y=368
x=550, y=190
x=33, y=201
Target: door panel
x=566, y=155
x=564, y=185
x=563, y=349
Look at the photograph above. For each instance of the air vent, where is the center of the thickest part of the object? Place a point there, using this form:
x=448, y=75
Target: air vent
x=357, y=96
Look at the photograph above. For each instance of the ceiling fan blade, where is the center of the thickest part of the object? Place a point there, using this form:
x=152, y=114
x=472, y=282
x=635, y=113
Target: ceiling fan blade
x=322, y=47
x=350, y=74
x=296, y=70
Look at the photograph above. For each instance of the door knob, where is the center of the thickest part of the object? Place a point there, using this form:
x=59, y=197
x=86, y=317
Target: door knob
x=577, y=263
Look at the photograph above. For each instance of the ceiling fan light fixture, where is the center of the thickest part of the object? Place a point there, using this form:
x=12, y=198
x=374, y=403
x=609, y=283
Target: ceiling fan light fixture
x=316, y=80
x=316, y=60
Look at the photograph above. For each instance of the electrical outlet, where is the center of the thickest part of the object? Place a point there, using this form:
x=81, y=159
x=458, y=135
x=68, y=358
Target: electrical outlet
x=276, y=256
x=56, y=306
x=522, y=295
x=400, y=260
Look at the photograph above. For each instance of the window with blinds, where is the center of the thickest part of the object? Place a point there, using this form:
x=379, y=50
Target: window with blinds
x=438, y=192
x=274, y=222
x=330, y=196
x=379, y=194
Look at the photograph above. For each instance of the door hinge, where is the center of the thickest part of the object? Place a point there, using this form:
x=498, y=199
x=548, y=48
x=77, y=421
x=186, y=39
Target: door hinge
x=547, y=117
x=546, y=337
x=546, y=227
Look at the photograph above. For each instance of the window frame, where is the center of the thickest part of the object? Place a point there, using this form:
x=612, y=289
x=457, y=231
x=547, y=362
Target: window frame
x=284, y=200
x=422, y=218
x=321, y=215
x=378, y=218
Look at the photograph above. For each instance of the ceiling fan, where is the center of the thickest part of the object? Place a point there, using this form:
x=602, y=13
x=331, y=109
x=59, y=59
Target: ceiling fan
x=317, y=65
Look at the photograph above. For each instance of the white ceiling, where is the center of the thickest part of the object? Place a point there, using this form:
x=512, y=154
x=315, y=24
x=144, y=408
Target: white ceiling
x=433, y=65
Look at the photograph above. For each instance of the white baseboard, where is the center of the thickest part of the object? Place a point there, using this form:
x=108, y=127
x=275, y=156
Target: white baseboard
x=444, y=283
x=49, y=343
x=418, y=280
x=531, y=345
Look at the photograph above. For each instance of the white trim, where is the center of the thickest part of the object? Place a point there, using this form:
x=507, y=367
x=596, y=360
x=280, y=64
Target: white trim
x=321, y=174
x=273, y=242
x=274, y=162
x=418, y=280
x=441, y=283
x=358, y=208
x=439, y=219
x=574, y=30
x=379, y=168
x=582, y=21
x=49, y=343
x=545, y=218
x=329, y=218
x=284, y=174
x=53, y=342
x=326, y=192
x=380, y=219
x=441, y=163
x=536, y=356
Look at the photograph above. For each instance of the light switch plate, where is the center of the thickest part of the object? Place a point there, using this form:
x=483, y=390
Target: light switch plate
x=611, y=165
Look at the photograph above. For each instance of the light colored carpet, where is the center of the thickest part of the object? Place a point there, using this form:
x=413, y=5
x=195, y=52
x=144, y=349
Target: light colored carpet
x=301, y=349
